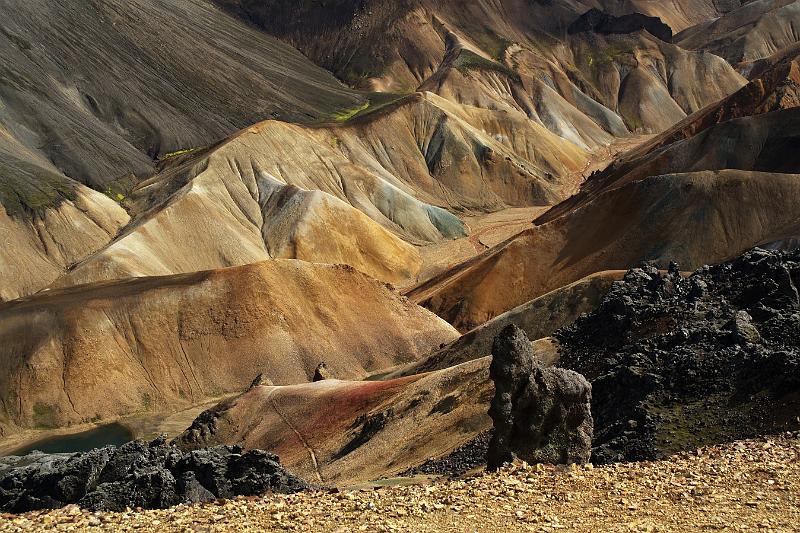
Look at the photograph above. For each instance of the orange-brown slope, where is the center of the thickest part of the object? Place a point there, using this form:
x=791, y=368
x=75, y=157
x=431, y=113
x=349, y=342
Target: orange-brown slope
x=159, y=344
x=694, y=218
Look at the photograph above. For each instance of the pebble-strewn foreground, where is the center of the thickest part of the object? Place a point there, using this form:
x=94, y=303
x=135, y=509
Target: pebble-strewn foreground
x=752, y=485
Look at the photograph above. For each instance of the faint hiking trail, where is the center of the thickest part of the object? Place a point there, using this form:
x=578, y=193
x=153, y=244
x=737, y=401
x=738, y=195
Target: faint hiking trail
x=300, y=436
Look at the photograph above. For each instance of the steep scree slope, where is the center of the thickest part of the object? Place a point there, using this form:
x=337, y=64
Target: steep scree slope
x=101, y=88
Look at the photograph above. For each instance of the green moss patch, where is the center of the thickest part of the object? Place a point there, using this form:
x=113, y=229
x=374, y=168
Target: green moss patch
x=176, y=153
x=375, y=102
x=602, y=56
x=120, y=189
x=26, y=189
x=494, y=45
x=44, y=415
x=347, y=114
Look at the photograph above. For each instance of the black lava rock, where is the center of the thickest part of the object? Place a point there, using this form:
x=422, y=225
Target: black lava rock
x=322, y=373
x=605, y=24
x=692, y=361
x=460, y=461
x=153, y=475
x=540, y=414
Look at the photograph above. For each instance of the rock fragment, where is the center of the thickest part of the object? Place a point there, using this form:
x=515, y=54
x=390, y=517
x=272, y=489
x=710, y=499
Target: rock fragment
x=606, y=24
x=322, y=373
x=743, y=329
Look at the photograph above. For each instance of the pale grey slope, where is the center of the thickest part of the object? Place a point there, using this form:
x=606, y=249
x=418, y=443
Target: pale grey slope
x=47, y=221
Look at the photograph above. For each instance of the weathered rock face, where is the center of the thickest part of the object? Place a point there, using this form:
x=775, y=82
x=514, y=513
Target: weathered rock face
x=540, y=415
x=139, y=474
x=678, y=363
x=604, y=23
x=204, y=427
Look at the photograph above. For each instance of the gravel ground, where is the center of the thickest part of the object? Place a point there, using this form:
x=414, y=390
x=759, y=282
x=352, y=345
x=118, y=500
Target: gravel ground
x=741, y=486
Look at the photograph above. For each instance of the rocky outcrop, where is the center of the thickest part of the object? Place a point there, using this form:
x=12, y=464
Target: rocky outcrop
x=260, y=380
x=322, y=373
x=205, y=426
x=682, y=362
x=148, y=475
x=540, y=415
x=606, y=24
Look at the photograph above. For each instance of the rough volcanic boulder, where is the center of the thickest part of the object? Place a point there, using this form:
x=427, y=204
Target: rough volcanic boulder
x=148, y=475
x=678, y=363
x=606, y=24
x=260, y=380
x=540, y=415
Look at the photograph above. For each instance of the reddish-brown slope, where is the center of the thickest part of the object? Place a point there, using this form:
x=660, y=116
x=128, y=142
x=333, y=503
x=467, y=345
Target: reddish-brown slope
x=347, y=432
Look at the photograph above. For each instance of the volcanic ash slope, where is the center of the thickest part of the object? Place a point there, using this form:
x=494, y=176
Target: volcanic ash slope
x=644, y=220
x=102, y=89
x=695, y=179
x=47, y=221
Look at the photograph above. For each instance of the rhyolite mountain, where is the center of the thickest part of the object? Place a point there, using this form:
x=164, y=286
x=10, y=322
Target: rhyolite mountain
x=503, y=116
x=693, y=179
